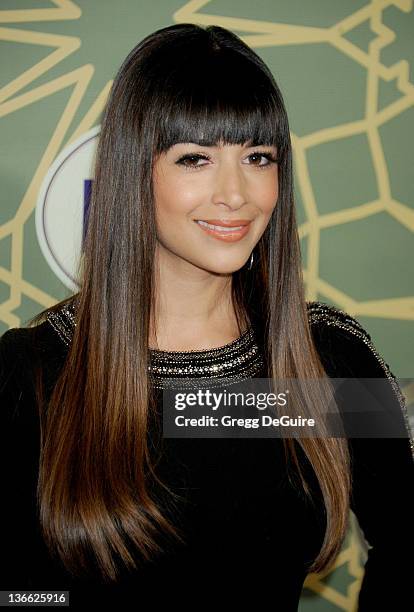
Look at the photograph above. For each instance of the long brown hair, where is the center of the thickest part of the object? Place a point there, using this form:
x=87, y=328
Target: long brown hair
x=183, y=83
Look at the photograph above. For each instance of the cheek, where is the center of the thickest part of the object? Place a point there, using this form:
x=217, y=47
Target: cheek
x=174, y=199
x=174, y=206
x=266, y=194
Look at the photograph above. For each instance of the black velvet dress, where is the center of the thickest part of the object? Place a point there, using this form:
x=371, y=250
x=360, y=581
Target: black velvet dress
x=250, y=534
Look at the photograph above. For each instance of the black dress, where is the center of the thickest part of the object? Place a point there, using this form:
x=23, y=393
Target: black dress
x=249, y=533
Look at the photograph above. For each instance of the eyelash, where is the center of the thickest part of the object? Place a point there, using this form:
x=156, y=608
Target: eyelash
x=196, y=156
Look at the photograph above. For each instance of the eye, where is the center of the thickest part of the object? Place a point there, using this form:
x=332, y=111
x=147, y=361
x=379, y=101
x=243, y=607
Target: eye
x=266, y=155
x=187, y=160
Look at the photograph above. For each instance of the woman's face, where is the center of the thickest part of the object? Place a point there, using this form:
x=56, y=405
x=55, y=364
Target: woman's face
x=224, y=183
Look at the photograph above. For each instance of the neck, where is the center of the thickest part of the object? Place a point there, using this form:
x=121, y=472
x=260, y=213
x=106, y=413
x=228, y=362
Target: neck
x=193, y=309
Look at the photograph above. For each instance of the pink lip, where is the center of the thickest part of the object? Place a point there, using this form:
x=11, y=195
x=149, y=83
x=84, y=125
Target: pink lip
x=226, y=223
x=230, y=236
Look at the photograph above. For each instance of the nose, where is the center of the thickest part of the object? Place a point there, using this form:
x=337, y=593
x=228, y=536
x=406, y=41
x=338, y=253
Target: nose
x=229, y=185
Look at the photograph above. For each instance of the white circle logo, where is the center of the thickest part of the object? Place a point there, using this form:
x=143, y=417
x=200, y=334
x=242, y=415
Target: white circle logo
x=62, y=207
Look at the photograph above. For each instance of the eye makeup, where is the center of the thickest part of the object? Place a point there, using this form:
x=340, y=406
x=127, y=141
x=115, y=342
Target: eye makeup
x=197, y=156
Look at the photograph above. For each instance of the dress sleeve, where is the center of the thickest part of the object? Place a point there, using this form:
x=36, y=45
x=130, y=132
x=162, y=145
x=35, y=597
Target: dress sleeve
x=382, y=470
x=16, y=465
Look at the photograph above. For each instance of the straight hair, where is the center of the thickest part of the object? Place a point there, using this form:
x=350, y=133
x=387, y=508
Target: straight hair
x=97, y=505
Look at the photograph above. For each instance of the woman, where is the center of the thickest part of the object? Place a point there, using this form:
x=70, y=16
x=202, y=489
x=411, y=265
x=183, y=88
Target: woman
x=194, y=135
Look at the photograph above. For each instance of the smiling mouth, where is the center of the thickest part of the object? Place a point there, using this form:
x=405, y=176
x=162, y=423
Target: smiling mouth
x=223, y=226
x=220, y=228
x=232, y=233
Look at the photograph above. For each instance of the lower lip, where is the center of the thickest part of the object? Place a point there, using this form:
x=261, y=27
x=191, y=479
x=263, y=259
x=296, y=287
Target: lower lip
x=228, y=236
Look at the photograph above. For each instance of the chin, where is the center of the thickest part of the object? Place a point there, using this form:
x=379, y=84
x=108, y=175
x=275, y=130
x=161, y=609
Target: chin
x=225, y=269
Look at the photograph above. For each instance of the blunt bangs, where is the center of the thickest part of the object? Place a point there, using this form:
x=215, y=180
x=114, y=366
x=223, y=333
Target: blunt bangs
x=223, y=97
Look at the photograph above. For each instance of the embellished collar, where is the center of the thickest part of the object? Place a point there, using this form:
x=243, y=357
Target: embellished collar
x=239, y=359
x=235, y=361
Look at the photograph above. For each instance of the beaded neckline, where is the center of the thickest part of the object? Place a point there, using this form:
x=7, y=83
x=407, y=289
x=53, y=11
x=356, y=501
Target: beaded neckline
x=195, y=352
x=237, y=360
x=234, y=361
